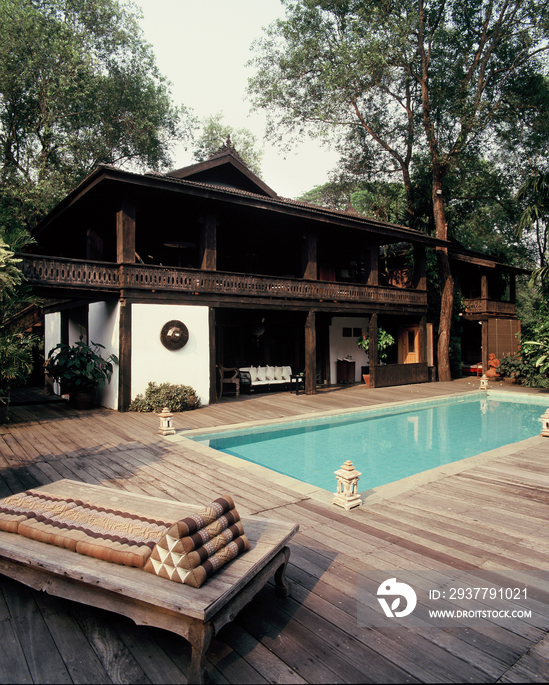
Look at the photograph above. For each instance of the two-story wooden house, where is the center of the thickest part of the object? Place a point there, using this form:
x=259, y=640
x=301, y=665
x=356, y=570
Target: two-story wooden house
x=249, y=278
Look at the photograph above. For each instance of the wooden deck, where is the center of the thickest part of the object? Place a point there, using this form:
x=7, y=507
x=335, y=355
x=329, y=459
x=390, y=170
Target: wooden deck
x=492, y=515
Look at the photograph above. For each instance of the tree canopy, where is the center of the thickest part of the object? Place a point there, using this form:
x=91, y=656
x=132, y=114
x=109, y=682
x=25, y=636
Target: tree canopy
x=417, y=79
x=214, y=135
x=79, y=86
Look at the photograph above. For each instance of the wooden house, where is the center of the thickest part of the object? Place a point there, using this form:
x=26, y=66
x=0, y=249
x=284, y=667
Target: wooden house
x=213, y=256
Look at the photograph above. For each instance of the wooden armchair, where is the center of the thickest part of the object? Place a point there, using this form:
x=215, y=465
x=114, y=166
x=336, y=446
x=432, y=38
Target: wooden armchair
x=234, y=379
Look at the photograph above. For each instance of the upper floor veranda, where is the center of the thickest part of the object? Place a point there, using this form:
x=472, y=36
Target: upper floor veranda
x=214, y=233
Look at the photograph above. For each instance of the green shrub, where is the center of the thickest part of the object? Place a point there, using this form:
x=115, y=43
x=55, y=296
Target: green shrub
x=175, y=397
x=523, y=370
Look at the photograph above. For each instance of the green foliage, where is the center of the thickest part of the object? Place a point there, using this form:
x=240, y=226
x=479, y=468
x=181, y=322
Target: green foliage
x=16, y=361
x=530, y=366
x=386, y=82
x=79, y=86
x=16, y=348
x=533, y=225
x=384, y=341
x=10, y=275
x=80, y=367
x=176, y=397
x=214, y=135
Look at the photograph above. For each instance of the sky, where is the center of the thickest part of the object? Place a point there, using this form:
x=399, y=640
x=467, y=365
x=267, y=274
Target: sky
x=202, y=47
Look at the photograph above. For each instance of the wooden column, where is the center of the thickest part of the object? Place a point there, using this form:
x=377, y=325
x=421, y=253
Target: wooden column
x=373, y=276
x=484, y=286
x=125, y=234
x=208, y=242
x=309, y=255
x=512, y=288
x=213, y=355
x=420, y=267
x=485, y=350
x=310, y=354
x=125, y=356
x=422, y=356
x=372, y=349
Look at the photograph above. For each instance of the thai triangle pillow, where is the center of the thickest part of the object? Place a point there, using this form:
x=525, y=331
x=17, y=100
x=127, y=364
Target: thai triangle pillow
x=197, y=546
x=194, y=548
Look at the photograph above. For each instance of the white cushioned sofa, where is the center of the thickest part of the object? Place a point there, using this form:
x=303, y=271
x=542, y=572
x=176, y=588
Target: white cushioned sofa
x=264, y=378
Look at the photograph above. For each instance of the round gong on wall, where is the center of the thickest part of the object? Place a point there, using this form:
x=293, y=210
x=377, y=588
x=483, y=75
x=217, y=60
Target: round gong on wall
x=174, y=335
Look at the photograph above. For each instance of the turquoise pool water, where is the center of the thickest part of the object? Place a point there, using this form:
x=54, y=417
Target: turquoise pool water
x=386, y=445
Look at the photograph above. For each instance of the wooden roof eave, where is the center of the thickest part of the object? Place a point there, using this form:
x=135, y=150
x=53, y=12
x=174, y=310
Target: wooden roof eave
x=477, y=259
x=392, y=232
x=90, y=182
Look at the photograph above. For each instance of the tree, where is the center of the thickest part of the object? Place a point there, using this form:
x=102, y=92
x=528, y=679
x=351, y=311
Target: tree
x=78, y=86
x=214, y=135
x=16, y=349
x=423, y=77
x=533, y=225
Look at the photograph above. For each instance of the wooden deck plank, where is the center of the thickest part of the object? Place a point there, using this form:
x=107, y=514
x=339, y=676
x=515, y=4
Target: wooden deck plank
x=13, y=665
x=491, y=515
x=40, y=651
x=114, y=656
x=78, y=656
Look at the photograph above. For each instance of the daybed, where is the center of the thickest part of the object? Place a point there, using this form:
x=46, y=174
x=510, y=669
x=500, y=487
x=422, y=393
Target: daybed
x=267, y=378
x=197, y=614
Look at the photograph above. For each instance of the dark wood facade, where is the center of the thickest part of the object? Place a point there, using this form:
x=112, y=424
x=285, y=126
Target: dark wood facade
x=214, y=235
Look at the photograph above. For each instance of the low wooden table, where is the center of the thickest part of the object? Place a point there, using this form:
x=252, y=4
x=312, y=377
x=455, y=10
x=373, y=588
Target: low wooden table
x=195, y=614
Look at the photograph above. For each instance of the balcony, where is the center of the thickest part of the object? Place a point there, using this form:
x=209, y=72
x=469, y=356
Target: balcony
x=53, y=275
x=483, y=306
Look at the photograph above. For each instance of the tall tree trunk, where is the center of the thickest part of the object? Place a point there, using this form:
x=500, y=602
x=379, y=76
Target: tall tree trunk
x=446, y=280
x=438, y=173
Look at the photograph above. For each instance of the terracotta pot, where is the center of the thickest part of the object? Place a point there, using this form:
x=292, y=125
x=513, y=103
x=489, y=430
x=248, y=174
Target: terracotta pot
x=366, y=379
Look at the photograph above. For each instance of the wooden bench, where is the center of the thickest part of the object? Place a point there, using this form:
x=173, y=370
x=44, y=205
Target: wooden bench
x=195, y=614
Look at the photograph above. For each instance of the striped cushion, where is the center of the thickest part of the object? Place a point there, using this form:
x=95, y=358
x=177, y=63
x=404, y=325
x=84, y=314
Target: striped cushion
x=187, y=551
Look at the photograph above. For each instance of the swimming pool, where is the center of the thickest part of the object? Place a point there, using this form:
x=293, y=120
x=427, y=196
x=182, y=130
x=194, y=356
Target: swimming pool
x=389, y=443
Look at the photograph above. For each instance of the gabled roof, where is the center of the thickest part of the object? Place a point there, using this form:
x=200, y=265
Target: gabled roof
x=154, y=181
x=225, y=168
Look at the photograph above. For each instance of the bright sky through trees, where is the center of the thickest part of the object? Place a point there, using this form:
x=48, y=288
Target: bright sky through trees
x=202, y=48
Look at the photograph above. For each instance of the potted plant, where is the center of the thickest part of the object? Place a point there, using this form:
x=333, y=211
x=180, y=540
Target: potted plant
x=384, y=341
x=81, y=370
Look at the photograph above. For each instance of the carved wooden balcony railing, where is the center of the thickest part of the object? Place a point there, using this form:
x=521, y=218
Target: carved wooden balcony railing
x=70, y=272
x=485, y=306
x=78, y=274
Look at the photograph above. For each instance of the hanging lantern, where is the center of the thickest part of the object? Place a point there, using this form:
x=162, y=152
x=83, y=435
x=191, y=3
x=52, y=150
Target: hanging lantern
x=258, y=331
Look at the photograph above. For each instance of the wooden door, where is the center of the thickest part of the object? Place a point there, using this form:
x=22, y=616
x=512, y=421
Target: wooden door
x=409, y=345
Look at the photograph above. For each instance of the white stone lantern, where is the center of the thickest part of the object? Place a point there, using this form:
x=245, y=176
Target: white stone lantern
x=484, y=383
x=545, y=424
x=166, y=422
x=347, y=487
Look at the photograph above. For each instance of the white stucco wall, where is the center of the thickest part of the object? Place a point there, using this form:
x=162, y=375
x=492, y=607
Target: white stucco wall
x=151, y=361
x=76, y=330
x=340, y=347
x=52, y=337
x=103, y=328
x=52, y=331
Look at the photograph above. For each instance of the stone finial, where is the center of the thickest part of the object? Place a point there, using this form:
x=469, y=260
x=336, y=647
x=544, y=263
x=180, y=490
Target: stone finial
x=545, y=424
x=166, y=422
x=484, y=383
x=347, y=487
